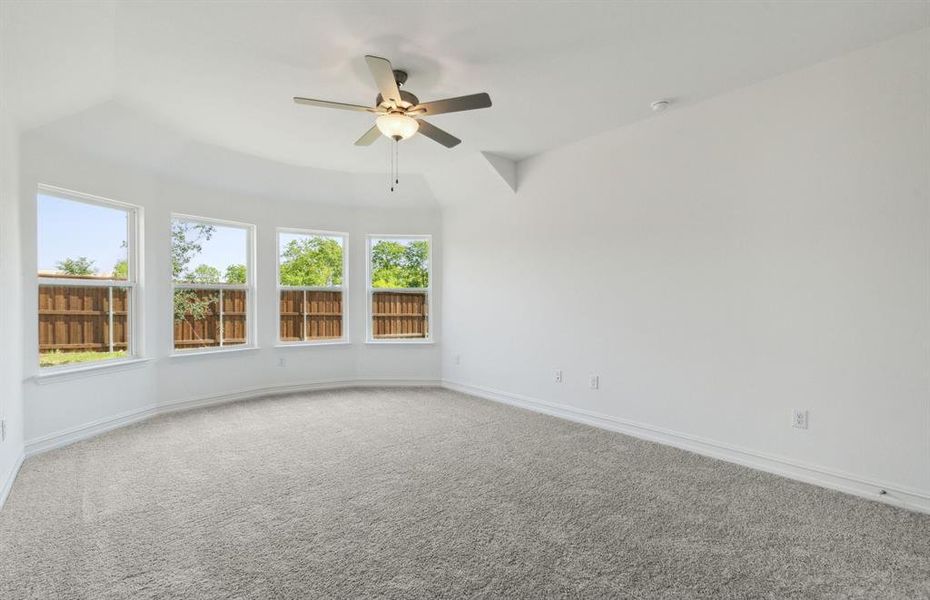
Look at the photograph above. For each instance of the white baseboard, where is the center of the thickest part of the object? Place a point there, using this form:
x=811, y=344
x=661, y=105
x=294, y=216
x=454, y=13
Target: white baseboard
x=11, y=477
x=84, y=431
x=813, y=474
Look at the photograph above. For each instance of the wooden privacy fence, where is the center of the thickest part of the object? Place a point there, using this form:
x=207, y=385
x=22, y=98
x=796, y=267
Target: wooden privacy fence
x=81, y=319
x=310, y=315
x=96, y=318
x=399, y=315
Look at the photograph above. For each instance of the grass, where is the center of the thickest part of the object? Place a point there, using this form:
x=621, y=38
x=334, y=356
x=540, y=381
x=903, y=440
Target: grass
x=52, y=359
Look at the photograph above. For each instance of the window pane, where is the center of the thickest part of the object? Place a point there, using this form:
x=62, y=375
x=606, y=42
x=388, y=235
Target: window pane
x=292, y=316
x=77, y=239
x=234, y=317
x=308, y=315
x=205, y=318
x=324, y=315
x=196, y=319
x=310, y=260
x=399, y=263
x=399, y=315
x=80, y=324
x=203, y=252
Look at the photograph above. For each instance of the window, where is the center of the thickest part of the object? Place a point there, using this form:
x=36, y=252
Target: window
x=88, y=273
x=213, y=280
x=312, y=277
x=399, y=270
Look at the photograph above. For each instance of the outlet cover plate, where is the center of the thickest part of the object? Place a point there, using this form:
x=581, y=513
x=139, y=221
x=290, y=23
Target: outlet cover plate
x=799, y=419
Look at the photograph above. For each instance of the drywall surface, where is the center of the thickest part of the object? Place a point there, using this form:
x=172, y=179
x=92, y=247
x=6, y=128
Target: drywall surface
x=59, y=406
x=11, y=397
x=11, y=284
x=718, y=267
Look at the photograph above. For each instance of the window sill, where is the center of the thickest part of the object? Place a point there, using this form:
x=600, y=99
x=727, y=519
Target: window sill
x=56, y=374
x=311, y=344
x=211, y=352
x=413, y=342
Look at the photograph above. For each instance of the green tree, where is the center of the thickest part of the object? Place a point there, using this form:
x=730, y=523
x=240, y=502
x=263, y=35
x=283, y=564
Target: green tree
x=203, y=274
x=190, y=305
x=79, y=267
x=312, y=261
x=400, y=265
x=186, y=243
x=235, y=274
x=121, y=270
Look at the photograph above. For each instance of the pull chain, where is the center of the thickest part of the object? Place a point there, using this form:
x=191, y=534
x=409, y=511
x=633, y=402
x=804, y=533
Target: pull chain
x=395, y=162
x=395, y=169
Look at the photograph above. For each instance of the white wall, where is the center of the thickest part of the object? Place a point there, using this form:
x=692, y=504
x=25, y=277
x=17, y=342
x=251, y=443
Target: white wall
x=11, y=398
x=62, y=405
x=718, y=266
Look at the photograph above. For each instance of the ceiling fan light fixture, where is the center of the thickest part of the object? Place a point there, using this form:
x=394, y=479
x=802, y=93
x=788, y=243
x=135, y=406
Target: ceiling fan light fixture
x=397, y=126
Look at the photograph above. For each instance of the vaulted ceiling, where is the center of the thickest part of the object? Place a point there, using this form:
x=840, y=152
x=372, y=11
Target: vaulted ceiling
x=223, y=74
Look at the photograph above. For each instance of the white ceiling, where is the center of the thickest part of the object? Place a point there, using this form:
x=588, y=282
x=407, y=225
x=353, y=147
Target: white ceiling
x=223, y=74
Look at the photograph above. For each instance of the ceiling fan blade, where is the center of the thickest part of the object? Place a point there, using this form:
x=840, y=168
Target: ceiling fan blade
x=438, y=135
x=438, y=107
x=328, y=104
x=384, y=77
x=369, y=137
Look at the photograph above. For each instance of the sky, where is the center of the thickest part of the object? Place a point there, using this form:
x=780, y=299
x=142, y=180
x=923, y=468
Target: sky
x=70, y=229
x=227, y=246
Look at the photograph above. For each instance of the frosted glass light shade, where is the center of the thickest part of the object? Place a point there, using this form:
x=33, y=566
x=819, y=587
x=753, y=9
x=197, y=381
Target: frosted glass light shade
x=397, y=126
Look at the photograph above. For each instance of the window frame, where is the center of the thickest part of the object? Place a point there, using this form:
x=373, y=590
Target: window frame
x=248, y=287
x=344, y=288
x=133, y=282
x=369, y=338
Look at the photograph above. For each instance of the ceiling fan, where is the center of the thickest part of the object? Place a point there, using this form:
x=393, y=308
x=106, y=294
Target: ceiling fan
x=400, y=114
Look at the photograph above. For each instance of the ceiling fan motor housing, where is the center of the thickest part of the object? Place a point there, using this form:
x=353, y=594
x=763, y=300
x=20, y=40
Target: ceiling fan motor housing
x=406, y=98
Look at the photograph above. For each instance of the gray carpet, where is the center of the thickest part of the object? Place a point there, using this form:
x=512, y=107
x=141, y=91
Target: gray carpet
x=422, y=493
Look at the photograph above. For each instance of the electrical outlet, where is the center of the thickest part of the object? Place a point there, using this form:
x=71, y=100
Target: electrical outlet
x=2, y=430
x=558, y=376
x=799, y=419
x=593, y=382
x=458, y=359
x=282, y=362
